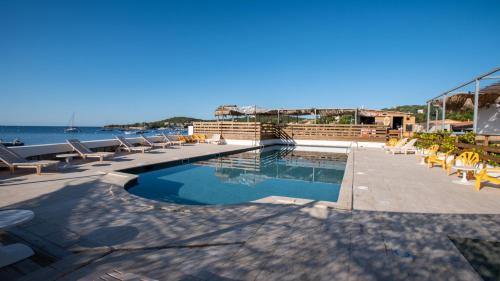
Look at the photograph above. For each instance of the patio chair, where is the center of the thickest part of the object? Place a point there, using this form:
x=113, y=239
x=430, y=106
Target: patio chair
x=199, y=138
x=155, y=144
x=400, y=143
x=390, y=143
x=408, y=147
x=441, y=159
x=465, y=160
x=426, y=152
x=125, y=144
x=172, y=141
x=487, y=174
x=216, y=138
x=85, y=152
x=187, y=139
x=14, y=160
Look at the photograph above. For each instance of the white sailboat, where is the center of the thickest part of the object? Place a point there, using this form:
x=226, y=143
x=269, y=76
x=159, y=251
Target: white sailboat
x=71, y=128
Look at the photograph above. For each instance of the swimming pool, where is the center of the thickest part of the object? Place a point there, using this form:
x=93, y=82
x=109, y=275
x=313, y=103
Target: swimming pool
x=244, y=177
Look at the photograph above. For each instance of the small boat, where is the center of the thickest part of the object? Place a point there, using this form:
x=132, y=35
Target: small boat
x=71, y=128
x=15, y=142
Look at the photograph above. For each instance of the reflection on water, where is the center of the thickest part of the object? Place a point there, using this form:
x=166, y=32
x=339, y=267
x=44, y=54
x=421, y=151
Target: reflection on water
x=248, y=176
x=252, y=167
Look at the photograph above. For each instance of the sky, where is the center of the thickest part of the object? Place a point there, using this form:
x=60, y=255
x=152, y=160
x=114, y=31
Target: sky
x=133, y=61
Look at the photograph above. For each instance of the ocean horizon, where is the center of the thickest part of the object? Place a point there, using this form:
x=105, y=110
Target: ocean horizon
x=35, y=135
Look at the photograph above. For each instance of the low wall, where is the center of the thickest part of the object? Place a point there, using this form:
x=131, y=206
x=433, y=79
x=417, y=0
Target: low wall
x=47, y=151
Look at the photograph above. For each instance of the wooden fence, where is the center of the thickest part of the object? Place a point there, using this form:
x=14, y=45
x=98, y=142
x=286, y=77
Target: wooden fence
x=233, y=130
x=487, y=153
x=483, y=146
x=333, y=132
x=262, y=131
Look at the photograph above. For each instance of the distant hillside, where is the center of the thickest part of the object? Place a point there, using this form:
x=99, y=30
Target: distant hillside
x=177, y=121
x=420, y=117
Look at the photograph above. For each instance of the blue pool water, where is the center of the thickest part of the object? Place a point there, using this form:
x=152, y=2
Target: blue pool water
x=245, y=177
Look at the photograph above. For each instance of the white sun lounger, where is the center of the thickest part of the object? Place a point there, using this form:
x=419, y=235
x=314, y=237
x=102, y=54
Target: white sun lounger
x=170, y=140
x=399, y=144
x=155, y=144
x=13, y=161
x=214, y=139
x=85, y=152
x=408, y=147
x=125, y=144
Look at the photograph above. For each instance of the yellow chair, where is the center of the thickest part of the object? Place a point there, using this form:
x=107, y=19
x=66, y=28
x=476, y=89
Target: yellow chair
x=441, y=160
x=431, y=150
x=467, y=159
x=201, y=137
x=397, y=144
x=391, y=142
x=425, y=153
x=183, y=139
x=483, y=176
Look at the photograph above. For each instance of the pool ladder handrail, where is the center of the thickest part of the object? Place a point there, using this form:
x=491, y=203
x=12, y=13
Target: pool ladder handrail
x=351, y=144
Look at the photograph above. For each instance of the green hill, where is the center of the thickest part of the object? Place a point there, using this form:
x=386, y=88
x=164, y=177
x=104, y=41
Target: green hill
x=421, y=117
x=173, y=121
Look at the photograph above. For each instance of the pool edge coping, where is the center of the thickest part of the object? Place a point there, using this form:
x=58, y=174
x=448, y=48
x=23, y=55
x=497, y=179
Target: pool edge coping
x=121, y=179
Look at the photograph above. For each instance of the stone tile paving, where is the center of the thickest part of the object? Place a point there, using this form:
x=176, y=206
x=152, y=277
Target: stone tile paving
x=94, y=227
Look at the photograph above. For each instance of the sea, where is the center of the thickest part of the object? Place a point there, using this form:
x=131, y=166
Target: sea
x=32, y=135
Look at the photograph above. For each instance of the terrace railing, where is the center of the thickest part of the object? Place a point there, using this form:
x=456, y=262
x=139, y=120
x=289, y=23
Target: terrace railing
x=333, y=132
x=233, y=130
x=488, y=147
x=262, y=131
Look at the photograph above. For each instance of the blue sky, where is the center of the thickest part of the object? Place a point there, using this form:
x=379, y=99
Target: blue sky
x=128, y=61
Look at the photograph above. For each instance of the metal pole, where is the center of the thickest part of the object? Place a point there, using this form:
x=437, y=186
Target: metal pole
x=444, y=112
x=476, y=106
x=436, y=119
x=255, y=124
x=315, y=117
x=428, y=115
x=278, y=116
x=356, y=116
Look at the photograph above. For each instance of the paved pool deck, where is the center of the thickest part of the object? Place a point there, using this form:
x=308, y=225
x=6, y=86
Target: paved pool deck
x=400, y=228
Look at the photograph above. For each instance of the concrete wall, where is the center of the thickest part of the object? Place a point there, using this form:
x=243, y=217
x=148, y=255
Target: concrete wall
x=58, y=148
x=488, y=121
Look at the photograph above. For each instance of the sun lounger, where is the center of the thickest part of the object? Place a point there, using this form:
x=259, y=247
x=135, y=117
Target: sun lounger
x=214, y=139
x=487, y=174
x=400, y=143
x=391, y=143
x=155, y=144
x=187, y=139
x=85, y=152
x=13, y=161
x=200, y=138
x=406, y=148
x=125, y=144
x=172, y=141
